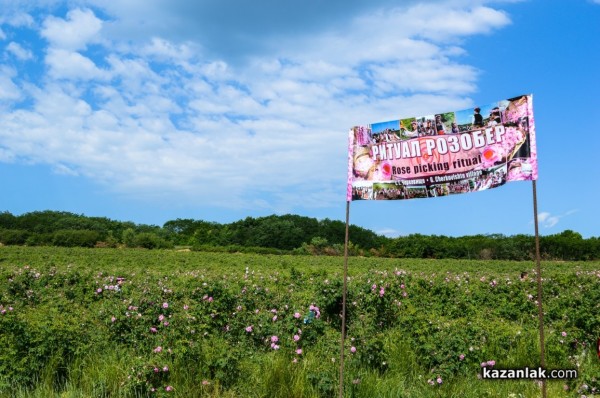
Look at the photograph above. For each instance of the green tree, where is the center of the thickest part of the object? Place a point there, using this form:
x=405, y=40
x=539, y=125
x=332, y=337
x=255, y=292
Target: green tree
x=149, y=240
x=129, y=238
x=13, y=236
x=73, y=238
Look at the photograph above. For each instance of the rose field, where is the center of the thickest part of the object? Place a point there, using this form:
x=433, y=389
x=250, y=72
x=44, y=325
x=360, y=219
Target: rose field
x=78, y=322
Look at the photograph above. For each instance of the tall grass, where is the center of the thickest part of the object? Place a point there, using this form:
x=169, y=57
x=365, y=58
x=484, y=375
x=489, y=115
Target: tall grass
x=264, y=376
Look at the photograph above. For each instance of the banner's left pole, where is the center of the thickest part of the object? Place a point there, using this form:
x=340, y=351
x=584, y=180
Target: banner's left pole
x=539, y=285
x=344, y=293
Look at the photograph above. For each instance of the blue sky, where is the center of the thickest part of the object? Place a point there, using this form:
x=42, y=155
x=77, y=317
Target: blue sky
x=218, y=110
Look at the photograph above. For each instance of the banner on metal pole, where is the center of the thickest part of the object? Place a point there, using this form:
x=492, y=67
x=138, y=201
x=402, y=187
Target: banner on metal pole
x=443, y=154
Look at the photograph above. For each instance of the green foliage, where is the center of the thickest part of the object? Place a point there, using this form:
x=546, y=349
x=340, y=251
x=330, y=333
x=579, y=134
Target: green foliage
x=129, y=237
x=567, y=245
x=120, y=322
x=282, y=235
x=13, y=236
x=149, y=240
x=72, y=238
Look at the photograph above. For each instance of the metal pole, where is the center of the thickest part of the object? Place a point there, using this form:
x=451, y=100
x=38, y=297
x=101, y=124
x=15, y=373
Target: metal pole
x=345, y=289
x=539, y=285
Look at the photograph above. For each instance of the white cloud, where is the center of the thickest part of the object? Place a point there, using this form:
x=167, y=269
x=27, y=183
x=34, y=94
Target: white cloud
x=432, y=75
x=547, y=220
x=79, y=29
x=2, y=35
x=65, y=64
x=399, y=34
x=18, y=51
x=6, y=156
x=165, y=50
x=161, y=118
x=135, y=75
x=64, y=170
x=438, y=23
x=8, y=89
x=16, y=18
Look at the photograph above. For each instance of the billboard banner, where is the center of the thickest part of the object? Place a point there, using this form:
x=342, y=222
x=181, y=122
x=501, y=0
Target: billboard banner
x=443, y=154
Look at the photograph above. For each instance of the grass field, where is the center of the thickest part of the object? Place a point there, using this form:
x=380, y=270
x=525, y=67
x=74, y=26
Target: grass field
x=137, y=323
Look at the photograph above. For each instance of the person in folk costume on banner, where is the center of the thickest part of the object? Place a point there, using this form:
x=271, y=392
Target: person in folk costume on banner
x=495, y=118
x=439, y=125
x=362, y=135
x=477, y=118
x=415, y=129
x=455, y=129
x=430, y=130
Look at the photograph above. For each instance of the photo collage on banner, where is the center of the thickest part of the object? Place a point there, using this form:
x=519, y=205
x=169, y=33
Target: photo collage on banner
x=443, y=154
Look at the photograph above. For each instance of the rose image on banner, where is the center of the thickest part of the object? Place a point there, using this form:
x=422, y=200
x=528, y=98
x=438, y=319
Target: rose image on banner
x=444, y=153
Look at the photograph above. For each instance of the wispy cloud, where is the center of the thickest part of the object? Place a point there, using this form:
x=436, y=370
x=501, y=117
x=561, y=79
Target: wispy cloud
x=547, y=220
x=19, y=52
x=8, y=89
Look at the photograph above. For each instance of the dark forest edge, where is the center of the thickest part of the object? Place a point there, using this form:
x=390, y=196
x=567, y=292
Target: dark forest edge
x=284, y=234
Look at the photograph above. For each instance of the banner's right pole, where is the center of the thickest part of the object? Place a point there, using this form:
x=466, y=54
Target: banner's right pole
x=539, y=285
x=344, y=294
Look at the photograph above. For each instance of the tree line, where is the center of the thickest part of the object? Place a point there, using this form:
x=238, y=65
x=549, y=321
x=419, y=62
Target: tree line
x=281, y=234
